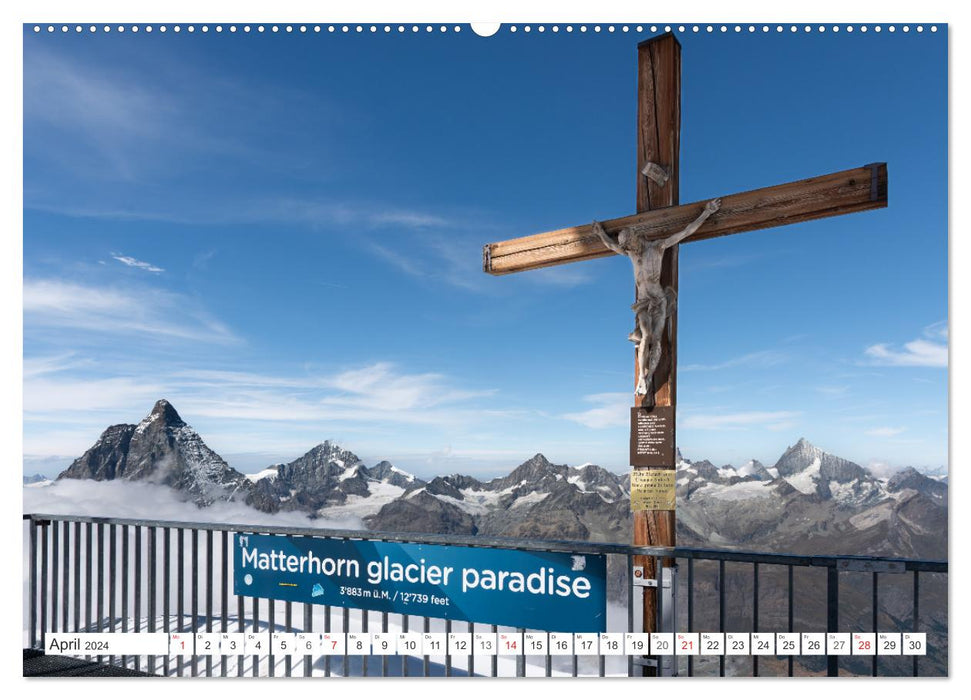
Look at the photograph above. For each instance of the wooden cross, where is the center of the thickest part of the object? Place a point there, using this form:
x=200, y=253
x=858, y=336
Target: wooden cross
x=658, y=212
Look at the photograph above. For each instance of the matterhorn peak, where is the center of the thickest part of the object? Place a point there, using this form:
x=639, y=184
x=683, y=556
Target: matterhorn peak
x=162, y=412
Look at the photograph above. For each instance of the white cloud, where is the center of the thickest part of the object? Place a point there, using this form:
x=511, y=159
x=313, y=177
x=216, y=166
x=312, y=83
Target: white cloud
x=762, y=358
x=884, y=431
x=882, y=469
x=832, y=390
x=47, y=396
x=381, y=385
x=138, y=311
x=437, y=258
x=613, y=410
x=103, y=115
x=456, y=262
x=247, y=411
x=937, y=330
x=283, y=210
x=127, y=499
x=52, y=364
x=929, y=351
x=917, y=353
x=406, y=265
x=770, y=420
x=559, y=276
x=139, y=264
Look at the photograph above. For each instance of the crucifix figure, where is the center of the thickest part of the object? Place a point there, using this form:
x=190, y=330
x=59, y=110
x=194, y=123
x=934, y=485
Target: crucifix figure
x=655, y=305
x=646, y=238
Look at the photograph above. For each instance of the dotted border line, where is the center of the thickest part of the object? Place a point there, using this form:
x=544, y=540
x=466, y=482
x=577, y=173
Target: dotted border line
x=511, y=29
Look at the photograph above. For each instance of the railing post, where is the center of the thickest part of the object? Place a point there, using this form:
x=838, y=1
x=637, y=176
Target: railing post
x=667, y=610
x=721, y=611
x=916, y=658
x=630, y=618
x=832, y=614
x=209, y=572
x=152, y=585
x=32, y=585
x=691, y=609
x=43, y=580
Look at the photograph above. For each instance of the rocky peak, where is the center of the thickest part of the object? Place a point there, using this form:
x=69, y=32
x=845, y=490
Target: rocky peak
x=161, y=449
x=164, y=412
x=326, y=475
x=706, y=470
x=797, y=457
x=910, y=478
x=386, y=472
x=329, y=452
x=755, y=468
x=444, y=486
x=534, y=471
x=595, y=475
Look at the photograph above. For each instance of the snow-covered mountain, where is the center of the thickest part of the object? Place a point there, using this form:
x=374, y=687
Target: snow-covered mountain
x=161, y=449
x=536, y=499
x=809, y=501
x=817, y=503
x=329, y=478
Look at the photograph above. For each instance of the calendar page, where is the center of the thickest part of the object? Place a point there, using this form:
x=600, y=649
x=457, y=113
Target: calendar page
x=378, y=342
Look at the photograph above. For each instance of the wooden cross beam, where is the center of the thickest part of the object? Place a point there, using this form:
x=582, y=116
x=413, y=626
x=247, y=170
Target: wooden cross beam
x=845, y=192
x=659, y=216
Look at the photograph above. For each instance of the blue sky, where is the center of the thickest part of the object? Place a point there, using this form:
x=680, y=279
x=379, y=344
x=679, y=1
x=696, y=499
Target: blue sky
x=282, y=235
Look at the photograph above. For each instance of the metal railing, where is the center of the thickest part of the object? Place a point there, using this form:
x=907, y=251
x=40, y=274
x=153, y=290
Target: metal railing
x=89, y=574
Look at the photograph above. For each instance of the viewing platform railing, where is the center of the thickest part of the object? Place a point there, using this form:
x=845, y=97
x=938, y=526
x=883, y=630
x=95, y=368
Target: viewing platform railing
x=90, y=574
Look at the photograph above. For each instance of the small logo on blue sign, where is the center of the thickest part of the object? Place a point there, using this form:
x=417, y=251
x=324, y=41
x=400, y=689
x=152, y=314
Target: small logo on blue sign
x=317, y=590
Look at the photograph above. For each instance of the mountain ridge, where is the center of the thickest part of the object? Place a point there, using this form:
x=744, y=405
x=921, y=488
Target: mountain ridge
x=808, y=496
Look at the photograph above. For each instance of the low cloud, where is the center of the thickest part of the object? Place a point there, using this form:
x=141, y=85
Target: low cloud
x=767, y=420
x=832, y=390
x=884, y=432
x=612, y=410
x=559, y=276
x=762, y=358
x=247, y=410
x=928, y=351
x=128, y=499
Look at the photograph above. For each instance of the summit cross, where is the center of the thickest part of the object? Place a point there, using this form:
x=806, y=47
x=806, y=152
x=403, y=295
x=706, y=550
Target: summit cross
x=659, y=218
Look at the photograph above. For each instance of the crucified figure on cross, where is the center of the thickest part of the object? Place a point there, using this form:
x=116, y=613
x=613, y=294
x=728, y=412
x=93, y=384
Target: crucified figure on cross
x=655, y=304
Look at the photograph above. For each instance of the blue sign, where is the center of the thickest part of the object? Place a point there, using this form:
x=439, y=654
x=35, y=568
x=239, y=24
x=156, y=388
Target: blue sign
x=549, y=591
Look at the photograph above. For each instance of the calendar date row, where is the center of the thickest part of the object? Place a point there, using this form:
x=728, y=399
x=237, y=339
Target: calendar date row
x=492, y=644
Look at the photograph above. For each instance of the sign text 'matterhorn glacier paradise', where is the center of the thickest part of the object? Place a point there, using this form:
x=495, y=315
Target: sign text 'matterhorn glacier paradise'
x=553, y=591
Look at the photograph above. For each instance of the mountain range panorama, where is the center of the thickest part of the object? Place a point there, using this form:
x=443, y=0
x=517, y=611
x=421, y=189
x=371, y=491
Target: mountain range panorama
x=808, y=501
